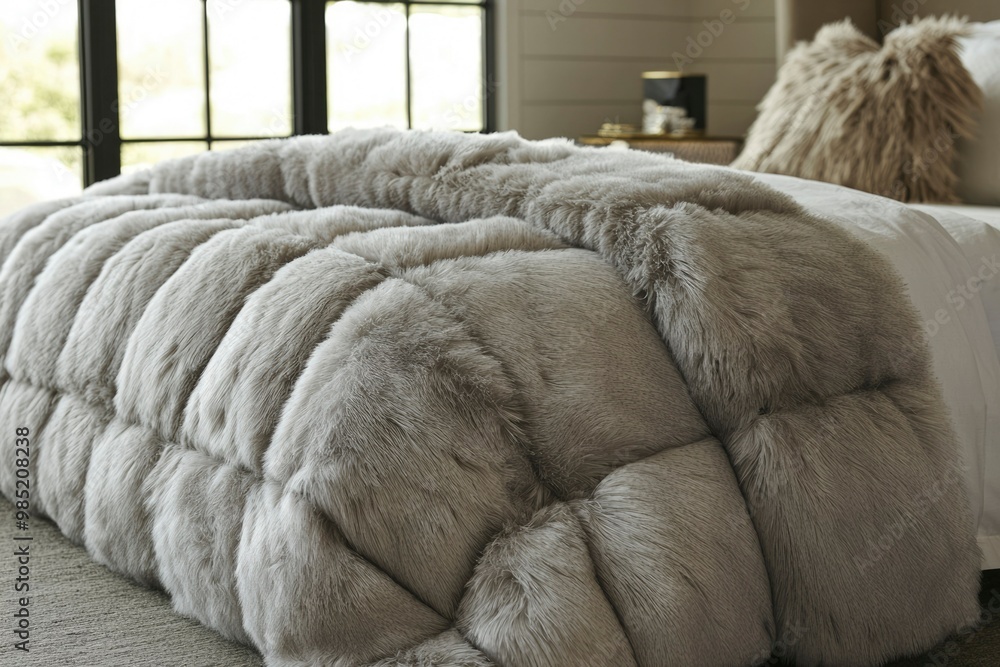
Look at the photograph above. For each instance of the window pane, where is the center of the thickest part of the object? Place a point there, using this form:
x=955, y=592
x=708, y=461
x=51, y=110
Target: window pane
x=251, y=77
x=366, y=62
x=137, y=156
x=39, y=71
x=446, y=52
x=29, y=175
x=161, y=76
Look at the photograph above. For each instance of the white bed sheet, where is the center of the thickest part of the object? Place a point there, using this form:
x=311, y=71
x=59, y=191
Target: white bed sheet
x=937, y=251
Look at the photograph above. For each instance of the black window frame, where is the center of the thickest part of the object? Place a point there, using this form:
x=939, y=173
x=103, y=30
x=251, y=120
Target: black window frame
x=489, y=64
x=102, y=142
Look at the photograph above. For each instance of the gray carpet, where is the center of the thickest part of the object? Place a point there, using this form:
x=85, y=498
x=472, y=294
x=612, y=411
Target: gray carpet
x=83, y=615
x=86, y=616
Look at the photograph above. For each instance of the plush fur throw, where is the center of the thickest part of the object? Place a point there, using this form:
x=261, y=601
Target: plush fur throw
x=414, y=399
x=883, y=120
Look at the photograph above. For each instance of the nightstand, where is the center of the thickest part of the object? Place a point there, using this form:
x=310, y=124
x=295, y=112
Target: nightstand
x=710, y=150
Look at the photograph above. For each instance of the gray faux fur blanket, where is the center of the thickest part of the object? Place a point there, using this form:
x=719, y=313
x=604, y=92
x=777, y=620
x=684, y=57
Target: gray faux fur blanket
x=390, y=398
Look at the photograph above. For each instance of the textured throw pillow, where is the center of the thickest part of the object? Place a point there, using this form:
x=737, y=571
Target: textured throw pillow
x=979, y=157
x=884, y=119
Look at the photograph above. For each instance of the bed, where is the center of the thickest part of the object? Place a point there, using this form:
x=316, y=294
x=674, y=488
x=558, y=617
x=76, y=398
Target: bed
x=939, y=249
x=412, y=399
x=965, y=296
x=389, y=398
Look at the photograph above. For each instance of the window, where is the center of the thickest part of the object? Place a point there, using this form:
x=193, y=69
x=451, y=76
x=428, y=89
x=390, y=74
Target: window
x=195, y=56
x=41, y=140
x=425, y=59
x=94, y=88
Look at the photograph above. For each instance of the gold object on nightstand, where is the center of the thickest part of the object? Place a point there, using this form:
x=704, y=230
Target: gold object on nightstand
x=710, y=150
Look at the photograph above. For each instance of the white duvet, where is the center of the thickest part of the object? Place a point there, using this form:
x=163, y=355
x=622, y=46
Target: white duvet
x=949, y=257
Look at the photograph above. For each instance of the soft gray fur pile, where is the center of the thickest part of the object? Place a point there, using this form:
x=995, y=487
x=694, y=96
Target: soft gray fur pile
x=389, y=398
x=880, y=118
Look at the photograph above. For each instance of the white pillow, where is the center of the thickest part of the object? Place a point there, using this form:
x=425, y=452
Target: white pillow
x=978, y=165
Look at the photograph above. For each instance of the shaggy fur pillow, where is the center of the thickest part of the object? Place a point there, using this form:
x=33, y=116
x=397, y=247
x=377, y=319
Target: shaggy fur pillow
x=883, y=119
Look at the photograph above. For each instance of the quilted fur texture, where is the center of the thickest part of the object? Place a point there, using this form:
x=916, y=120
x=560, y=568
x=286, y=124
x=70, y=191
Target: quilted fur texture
x=880, y=119
x=411, y=399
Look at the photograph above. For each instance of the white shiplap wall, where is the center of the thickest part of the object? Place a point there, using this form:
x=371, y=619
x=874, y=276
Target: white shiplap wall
x=565, y=77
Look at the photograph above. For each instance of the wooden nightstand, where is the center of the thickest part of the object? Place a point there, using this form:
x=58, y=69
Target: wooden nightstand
x=710, y=150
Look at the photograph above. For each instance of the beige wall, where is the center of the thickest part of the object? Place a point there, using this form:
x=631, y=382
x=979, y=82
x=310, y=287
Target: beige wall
x=565, y=66
x=891, y=11
x=799, y=19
